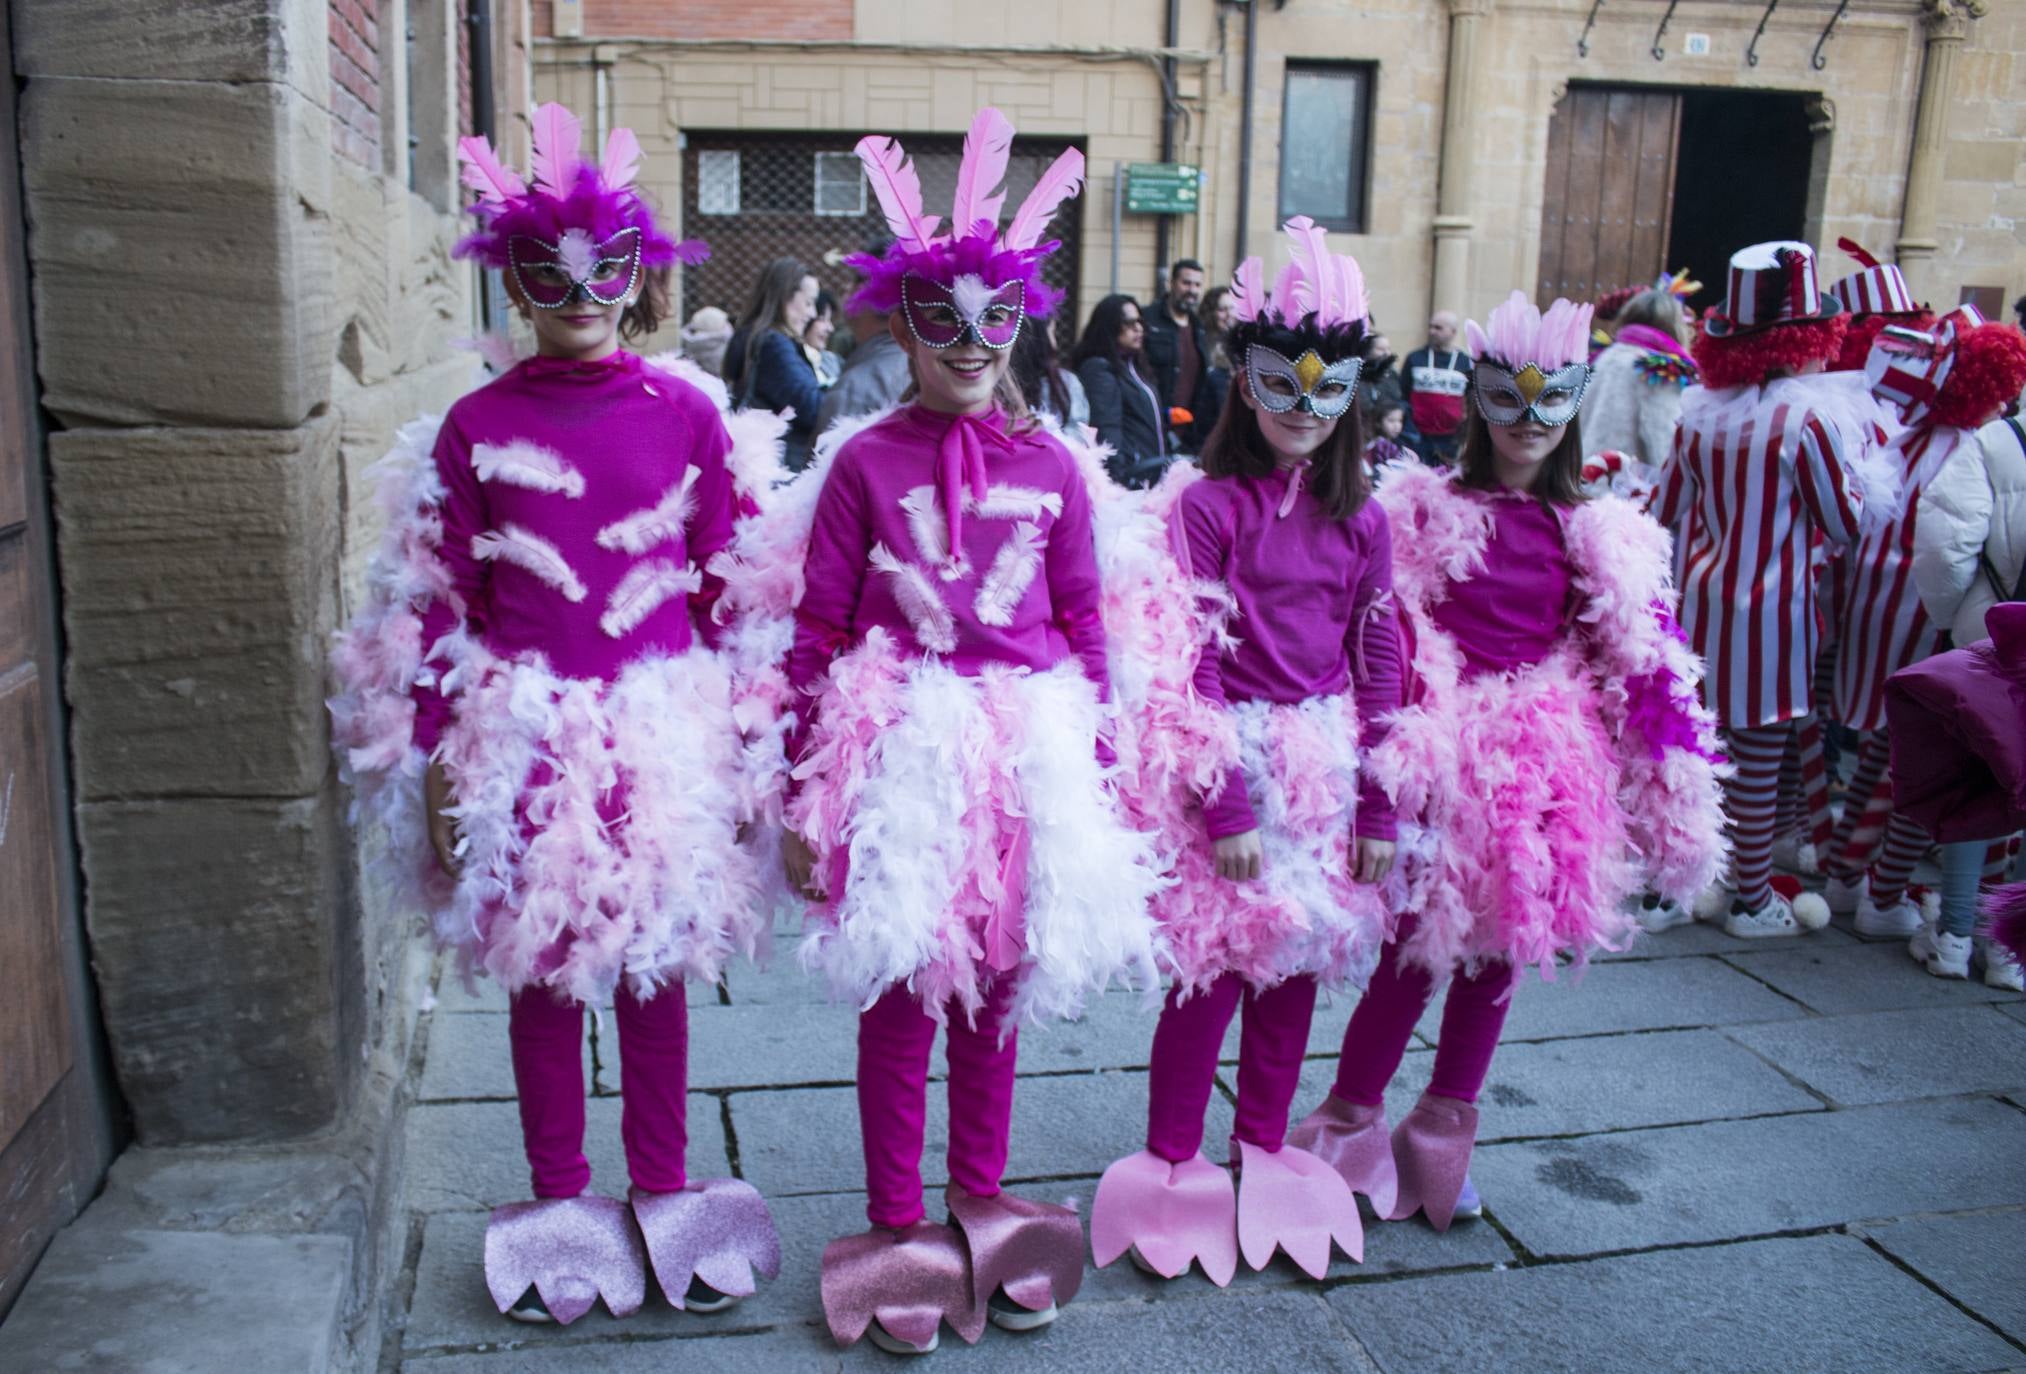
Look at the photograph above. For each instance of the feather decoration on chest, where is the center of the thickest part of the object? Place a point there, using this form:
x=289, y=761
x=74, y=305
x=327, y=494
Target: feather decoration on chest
x=660, y=523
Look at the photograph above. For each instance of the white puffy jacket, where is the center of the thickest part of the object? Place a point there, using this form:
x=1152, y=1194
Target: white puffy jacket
x=1975, y=504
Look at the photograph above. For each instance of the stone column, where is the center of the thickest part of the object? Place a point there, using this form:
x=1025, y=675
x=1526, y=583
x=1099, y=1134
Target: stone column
x=1453, y=223
x=1947, y=23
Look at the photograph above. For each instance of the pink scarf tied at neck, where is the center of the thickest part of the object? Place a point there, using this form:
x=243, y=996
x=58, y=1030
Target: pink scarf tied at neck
x=960, y=467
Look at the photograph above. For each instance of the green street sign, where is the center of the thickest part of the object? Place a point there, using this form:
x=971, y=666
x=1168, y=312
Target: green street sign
x=1163, y=188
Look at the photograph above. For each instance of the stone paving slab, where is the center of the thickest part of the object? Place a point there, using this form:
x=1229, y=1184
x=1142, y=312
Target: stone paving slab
x=1701, y=937
x=466, y=1156
x=453, y=999
x=1662, y=994
x=1608, y=1083
x=1839, y=979
x=1895, y=1056
x=806, y=1140
x=760, y=1046
x=2015, y=1010
x=1731, y=1179
x=781, y=983
x=1813, y=1303
x=471, y=1058
x=1980, y=1261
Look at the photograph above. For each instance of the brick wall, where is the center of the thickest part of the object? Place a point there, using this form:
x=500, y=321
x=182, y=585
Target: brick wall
x=810, y=20
x=355, y=79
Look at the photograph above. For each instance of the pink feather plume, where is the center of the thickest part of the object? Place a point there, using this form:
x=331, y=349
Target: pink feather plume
x=981, y=173
x=621, y=162
x=1312, y=263
x=1062, y=180
x=486, y=174
x=1248, y=290
x=894, y=181
x=1518, y=333
x=556, y=134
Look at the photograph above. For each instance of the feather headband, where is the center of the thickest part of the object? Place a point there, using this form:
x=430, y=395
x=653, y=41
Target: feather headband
x=563, y=192
x=1520, y=332
x=1318, y=300
x=972, y=243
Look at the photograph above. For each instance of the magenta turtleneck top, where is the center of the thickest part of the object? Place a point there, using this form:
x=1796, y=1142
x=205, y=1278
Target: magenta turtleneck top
x=1512, y=613
x=580, y=502
x=1314, y=616
x=1018, y=584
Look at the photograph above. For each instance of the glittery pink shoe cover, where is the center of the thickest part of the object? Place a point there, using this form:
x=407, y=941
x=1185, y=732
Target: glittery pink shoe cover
x=1431, y=1149
x=718, y=1230
x=1174, y=1213
x=1353, y=1140
x=571, y=1251
x=1290, y=1199
x=1033, y=1250
x=907, y=1280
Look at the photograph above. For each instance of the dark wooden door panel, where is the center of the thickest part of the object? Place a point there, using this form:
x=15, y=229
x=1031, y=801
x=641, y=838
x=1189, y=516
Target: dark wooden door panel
x=35, y=1041
x=1609, y=191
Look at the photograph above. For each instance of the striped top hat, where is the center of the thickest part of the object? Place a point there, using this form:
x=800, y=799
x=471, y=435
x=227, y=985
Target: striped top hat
x=1877, y=289
x=1909, y=367
x=1771, y=283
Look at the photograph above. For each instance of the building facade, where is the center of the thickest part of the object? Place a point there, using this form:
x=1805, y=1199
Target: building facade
x=1459, y=148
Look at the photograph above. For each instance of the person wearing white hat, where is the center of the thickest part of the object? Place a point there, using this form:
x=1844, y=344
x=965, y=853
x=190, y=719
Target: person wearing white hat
x=1771, y=452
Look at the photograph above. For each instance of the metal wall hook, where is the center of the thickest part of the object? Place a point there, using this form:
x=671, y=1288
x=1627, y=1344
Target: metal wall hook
x=1583, y=43
x=1817, y=60
x=1660, y=53
x=1752, y=49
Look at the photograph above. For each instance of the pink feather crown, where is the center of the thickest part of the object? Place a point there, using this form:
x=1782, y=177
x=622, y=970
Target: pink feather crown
x=1330, y=287
x=1520, y=333
x=564, y=192
x=973, y=243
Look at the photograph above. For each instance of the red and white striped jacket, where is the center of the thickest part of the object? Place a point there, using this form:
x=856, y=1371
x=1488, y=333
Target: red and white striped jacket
x=1882, y=626
x=1756, y=473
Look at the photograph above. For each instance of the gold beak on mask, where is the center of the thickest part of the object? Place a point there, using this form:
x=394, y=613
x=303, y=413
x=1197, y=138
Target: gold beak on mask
x=1308, y=370
x=1530, y=382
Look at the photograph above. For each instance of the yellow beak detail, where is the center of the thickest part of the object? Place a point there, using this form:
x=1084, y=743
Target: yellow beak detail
x=1530, y=382
x=1308, y=370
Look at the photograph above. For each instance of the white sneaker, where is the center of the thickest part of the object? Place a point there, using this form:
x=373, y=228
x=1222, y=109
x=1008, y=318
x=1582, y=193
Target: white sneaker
x=1895, y=921
x=894, y=1345
x=1942, y=954
x=1775, y=918
x=1656, y=913
x=2001, y=969
x=1843, y=894
x=1009, y=1315
x=1796, y=855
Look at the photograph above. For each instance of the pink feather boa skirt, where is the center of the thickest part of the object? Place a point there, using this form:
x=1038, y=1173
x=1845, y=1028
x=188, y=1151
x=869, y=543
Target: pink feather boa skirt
x=1304, y=914
x=921, y=792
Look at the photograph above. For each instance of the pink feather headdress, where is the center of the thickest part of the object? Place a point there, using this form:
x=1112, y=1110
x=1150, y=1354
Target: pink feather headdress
x=596, y=198
x=1315, y=282
x=973, y=243
x=1521, y=333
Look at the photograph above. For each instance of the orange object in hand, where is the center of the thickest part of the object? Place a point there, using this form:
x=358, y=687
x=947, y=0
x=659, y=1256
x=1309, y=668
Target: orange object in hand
x=1178, y=416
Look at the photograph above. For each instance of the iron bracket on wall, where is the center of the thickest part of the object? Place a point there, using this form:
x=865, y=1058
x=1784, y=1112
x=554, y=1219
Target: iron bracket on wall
x=1583, y=43
x=1660, y=53
x=1818, y=61
x=1752, y=49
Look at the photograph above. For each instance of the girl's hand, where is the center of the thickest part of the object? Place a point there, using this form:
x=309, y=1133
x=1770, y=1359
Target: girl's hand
x=1239, y=857
x=437, y=800
x=1373, y=861
x=800, y=862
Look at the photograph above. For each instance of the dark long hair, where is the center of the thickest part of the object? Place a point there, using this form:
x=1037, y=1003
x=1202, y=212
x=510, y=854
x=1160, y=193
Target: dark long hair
x=1560, y=482
x=1037, y=371
x=1237, y=447
x=1101, y=337
x=767, y=308
x=649, y=309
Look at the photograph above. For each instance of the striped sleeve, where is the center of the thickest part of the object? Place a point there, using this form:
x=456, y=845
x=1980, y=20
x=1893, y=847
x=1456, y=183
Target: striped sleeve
x=1834, y=501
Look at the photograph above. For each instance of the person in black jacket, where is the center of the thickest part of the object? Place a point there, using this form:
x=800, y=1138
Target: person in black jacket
x=1124, y=409
x=764, y=363
x=1178, y=354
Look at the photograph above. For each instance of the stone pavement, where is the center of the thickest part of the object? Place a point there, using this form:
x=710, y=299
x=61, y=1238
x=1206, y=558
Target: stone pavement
x=1708, y=1154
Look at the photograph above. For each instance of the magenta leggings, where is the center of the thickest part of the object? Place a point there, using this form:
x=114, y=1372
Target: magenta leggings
x=1271, y=1041
x=1377, y=1036
x=547, y=1032
x=895, y=1037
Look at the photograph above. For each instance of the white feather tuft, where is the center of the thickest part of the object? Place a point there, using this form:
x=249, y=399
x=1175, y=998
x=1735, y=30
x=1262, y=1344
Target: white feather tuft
x=531, y=553
x=643, y=591
x=925, y=523
x=934, y=628
x=1015, y=503
x=658, y=524
x=523, y=463
x=1011, y=574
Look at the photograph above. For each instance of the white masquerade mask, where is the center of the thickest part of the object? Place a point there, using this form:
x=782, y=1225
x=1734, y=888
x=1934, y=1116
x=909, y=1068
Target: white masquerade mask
x=1505, y=397
x=1307, y=384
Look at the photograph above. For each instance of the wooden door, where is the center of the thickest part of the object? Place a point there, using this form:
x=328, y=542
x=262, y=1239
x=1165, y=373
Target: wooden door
x=53, y=1141
x=1610, y=190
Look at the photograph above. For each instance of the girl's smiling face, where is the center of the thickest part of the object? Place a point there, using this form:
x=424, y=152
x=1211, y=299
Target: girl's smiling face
x=1293, y=435
x=959, y=380
x=582, y=329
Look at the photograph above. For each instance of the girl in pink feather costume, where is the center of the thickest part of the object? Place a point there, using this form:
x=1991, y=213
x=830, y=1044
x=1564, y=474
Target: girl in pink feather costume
x=951, y=823
x=1244, y=756
x=535, y=687
x=1553, y=754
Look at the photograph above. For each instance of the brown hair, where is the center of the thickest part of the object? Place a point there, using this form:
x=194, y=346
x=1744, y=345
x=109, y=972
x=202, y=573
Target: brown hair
x=1560, y=480
x=1238, y=448
x=649, y=309
x=1659, y=310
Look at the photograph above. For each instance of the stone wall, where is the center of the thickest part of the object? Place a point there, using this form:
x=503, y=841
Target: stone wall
x=233, y=311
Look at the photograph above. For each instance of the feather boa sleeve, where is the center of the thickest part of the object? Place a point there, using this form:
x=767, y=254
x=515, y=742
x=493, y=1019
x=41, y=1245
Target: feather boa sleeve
x=1671, y=787
x=378, y=658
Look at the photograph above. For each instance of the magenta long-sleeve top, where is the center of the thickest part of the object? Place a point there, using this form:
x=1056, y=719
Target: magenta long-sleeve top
x=1015, y=582
x=580, y=502
x=1513, y=613
x=1314, y=616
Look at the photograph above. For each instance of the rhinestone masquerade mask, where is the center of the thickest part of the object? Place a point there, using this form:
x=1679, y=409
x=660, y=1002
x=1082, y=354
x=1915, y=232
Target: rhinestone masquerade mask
x=553, y=275
x=1307, y=384
x=1547, y=398
x=966, y=310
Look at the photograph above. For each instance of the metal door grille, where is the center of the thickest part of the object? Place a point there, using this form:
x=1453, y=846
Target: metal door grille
x=755, y=197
